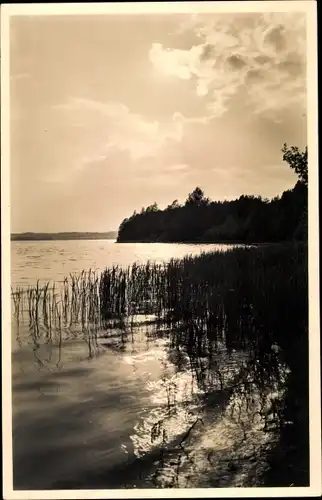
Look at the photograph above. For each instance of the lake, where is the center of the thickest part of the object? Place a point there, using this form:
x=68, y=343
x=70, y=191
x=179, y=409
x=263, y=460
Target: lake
x=95, y=410
x=54, y=260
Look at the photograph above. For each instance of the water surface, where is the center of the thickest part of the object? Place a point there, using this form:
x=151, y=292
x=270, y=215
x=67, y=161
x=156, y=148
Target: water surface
x=112, y=408
x=54, y=260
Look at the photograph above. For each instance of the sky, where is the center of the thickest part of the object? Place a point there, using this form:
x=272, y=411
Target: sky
x=109, y=113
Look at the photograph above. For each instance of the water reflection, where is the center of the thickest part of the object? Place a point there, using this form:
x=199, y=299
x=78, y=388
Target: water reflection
x=168, y=374
x=54, y=260
x=191, y=416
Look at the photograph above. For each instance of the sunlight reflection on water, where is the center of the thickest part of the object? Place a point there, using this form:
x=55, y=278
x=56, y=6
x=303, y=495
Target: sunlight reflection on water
x=96, y=402
x=54, y=260
x=130, y=402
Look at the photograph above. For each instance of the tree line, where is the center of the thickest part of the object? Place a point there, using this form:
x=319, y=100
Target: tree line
x=246, y=219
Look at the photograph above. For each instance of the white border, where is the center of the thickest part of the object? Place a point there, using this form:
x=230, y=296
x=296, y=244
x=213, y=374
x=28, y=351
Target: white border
x=137, y=8
x=308, y=7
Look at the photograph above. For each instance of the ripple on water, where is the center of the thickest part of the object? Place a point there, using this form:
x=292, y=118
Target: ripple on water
x=117, y=404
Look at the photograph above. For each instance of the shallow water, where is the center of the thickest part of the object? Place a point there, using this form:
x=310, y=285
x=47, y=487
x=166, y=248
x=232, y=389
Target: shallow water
x=112, y=410
x=116, y=408
x=54, y=260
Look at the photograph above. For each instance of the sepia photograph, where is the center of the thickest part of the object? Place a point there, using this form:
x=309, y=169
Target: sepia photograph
x=160, y=291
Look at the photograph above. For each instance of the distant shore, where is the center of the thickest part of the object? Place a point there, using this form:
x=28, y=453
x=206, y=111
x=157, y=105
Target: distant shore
x=111, y=235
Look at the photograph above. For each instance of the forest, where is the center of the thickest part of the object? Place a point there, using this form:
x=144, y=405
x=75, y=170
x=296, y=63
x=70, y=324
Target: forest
x=248, y=219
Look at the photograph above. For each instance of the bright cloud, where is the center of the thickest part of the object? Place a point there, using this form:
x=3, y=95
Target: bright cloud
x=120, y=128
x=262, y=55
x=176, y=62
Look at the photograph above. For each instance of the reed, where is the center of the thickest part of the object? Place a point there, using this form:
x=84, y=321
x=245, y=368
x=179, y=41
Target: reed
x=245, y=294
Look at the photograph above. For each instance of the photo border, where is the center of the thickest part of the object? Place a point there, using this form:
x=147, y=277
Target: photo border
x=308, y=7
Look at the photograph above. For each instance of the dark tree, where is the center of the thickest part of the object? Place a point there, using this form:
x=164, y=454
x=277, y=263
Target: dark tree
x=175, y=204
x=152, y=208
x=196, y=197
x=297, y=160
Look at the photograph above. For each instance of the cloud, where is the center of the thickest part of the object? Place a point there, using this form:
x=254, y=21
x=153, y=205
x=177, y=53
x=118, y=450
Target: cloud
x=262, y=56
x=176, y=62
x=120, y=128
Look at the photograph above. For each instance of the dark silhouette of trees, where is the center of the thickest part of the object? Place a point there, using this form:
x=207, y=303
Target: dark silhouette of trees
x=297, y=160
x=246, y=219
x=197, y=198
x=152, y=208
x=173, y=205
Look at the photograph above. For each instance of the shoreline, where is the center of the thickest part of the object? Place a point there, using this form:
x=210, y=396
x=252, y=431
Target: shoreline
x=244, y=243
